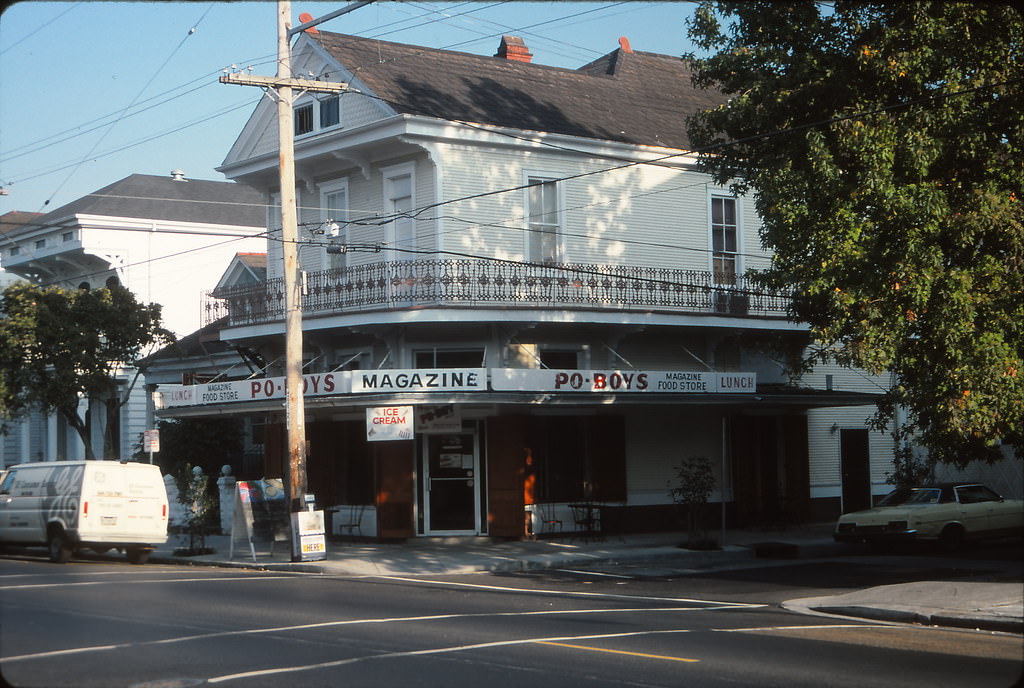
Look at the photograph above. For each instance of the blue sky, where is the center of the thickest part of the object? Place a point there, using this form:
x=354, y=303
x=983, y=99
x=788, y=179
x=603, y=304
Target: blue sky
x=95, y=91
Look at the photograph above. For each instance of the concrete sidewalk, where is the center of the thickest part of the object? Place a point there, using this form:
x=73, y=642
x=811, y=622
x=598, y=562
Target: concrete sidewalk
x=993, y=606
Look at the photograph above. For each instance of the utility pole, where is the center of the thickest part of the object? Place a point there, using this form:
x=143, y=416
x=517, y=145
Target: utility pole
x=294, y=403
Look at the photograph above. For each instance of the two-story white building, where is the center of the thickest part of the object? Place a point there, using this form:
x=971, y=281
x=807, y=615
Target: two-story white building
x=529, y=258
x=166, y=238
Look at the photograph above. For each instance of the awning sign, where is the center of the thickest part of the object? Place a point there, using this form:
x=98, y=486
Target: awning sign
x=389, y=423
x=425, y=380
x=622, y=381
x=438, y=419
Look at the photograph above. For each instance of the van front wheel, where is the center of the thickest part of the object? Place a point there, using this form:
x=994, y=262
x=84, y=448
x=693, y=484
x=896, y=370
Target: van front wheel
x=60, y=549
x=138, y=555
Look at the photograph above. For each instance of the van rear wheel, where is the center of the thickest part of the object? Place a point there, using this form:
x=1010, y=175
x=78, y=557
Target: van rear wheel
x=138, y=555
x=60, y=548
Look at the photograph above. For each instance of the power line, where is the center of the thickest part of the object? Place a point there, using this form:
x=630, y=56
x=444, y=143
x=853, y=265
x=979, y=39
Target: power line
x=132, y=103
x=48, y=23
x=200, y=120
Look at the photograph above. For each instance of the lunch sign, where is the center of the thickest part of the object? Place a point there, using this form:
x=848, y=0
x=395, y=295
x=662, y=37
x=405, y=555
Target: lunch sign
x=468, y=380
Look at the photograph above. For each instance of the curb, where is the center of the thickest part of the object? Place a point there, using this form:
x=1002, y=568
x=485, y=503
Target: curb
x=946, y=619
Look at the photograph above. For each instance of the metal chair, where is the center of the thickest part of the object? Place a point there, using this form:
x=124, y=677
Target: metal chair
x=587, y=518
x=352, y=520
x=547, y=520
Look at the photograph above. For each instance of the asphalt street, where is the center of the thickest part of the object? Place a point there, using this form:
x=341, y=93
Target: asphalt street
x=102, y=623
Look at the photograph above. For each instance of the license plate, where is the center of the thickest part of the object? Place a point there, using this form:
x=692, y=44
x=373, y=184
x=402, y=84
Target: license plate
x=108, y=520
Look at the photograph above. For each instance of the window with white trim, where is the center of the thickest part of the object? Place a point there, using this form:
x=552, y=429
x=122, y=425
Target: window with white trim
x=334, y=215
x=317, y=114
x=398, y=200
x=330, y=111
x=724, y=240
x=544, y=221
x=303, y=117
x=274, y=233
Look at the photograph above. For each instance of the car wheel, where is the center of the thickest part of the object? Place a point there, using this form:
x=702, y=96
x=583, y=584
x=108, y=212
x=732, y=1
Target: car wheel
x=952, y=537
x=60, y=549
x=138, y=555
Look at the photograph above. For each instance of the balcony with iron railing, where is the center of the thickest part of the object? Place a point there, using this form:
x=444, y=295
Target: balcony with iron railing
x=393, y=285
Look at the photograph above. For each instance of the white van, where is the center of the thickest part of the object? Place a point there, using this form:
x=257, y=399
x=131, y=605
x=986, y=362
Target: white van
x=69, y=505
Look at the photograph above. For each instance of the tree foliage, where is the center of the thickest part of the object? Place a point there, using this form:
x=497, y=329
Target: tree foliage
x=208, y=443
x=59, y=346
x=882, y=145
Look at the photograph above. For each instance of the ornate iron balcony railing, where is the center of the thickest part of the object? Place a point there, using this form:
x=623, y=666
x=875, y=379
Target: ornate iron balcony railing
x=404, y=284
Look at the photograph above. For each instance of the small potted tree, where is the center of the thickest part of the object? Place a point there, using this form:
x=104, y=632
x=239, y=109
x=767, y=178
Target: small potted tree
x=690, y=490
x=199, y=507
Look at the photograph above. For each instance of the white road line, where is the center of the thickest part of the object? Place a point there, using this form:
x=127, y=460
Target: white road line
x=867, y=624
x=572, y=593
x=500, y=643
x=435, y=651
x=4, y=588
x=595, y=573
x=346, y=622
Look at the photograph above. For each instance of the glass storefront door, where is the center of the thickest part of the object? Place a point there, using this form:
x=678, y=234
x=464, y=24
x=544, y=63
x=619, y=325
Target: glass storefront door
x=452, y=497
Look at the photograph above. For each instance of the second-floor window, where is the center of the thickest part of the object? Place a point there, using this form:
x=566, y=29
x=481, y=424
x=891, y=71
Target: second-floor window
x=334, y=213
x=724, y=240
x=544, y=226
x=401, y=233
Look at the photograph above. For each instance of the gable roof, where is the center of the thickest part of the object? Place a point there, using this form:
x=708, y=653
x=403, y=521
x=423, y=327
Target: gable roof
x=631, y=97
x=16, y=219
x=163, y=198
x=244, y=268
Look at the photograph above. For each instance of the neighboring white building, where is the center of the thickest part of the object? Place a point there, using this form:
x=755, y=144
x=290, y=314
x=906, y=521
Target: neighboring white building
x=167, y=239
x=559, y=294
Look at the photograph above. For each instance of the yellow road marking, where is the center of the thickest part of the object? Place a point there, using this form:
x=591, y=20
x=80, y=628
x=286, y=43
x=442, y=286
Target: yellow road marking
x=618, y=652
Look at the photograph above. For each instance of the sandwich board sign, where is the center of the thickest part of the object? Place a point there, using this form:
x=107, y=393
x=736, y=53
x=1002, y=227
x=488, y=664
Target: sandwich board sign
x=261, y=512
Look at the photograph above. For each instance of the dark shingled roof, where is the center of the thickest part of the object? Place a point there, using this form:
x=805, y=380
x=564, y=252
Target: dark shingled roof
x=632, y=97
x=16, y=219
x=163, y=198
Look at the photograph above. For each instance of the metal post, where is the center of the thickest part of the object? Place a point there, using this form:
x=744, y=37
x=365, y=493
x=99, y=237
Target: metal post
x=721, y=490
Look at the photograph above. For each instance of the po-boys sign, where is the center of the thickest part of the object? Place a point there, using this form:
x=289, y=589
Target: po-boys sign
x=622, y=381
x=446, y=380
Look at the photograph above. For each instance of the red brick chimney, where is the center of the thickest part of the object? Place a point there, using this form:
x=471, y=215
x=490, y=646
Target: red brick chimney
x=513, y=48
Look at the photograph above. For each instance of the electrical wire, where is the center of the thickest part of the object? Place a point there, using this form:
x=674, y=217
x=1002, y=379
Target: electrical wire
x=113, y=124
x=47, y=24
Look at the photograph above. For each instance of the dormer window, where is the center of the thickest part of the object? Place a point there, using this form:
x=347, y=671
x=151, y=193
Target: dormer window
x=303, y=119
x=323, y=113
x=330, y=111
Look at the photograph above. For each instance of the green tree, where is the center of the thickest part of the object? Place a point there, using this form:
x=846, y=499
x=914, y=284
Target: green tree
x=690, y=490
x=208, y=443
x=59, y=346
x=882, y=145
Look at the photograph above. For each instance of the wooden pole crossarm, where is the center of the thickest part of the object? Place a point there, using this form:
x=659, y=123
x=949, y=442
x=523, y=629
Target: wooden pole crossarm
x=311, y=85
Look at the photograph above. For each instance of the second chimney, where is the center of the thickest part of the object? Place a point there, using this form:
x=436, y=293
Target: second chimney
x=513, y=48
